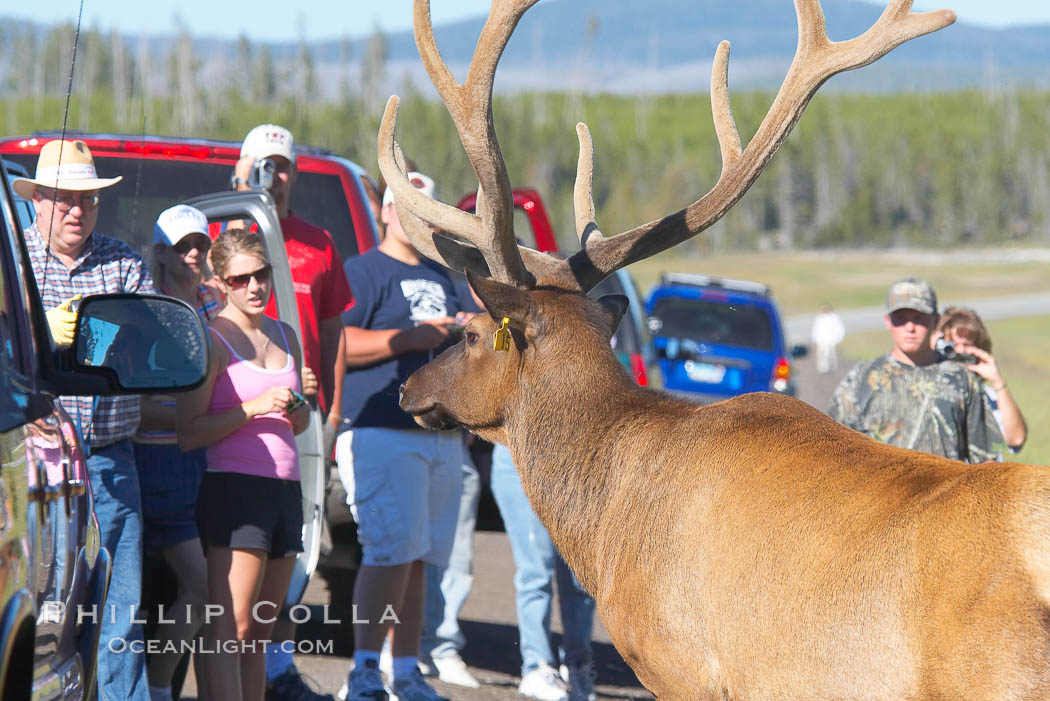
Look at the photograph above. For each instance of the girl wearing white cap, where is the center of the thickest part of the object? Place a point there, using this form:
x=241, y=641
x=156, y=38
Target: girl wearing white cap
x=169, y=478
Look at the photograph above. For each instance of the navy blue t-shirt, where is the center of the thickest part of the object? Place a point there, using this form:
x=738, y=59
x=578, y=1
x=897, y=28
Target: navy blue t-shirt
x=390, y=294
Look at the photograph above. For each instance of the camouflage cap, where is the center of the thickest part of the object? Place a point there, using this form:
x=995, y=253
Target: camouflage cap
x=911, y=293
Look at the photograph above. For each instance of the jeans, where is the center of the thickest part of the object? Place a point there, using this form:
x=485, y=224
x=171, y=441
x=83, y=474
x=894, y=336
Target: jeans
x=536, y=561
x=115, y=488
x=447, y=588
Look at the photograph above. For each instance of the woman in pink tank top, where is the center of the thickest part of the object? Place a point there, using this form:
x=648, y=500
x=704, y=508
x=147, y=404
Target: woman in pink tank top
x=249, y=507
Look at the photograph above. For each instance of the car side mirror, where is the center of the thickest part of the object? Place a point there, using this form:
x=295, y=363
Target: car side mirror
x=144, y=343
x=799, y=351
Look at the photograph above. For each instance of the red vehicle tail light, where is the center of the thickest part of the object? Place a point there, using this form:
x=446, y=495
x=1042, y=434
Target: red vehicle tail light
x=638, y=369
x=165, y=149
x=782, y=369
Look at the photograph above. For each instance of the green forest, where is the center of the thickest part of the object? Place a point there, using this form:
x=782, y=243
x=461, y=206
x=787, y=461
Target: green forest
x=931, y=170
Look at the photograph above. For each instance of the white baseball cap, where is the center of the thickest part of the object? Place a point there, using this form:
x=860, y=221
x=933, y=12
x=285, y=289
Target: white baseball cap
x=178, y=222
x=422, y=182
x=268, y=140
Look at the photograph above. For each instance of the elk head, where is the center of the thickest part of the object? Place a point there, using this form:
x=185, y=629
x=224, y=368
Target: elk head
x=548, y=333
x=543, y=295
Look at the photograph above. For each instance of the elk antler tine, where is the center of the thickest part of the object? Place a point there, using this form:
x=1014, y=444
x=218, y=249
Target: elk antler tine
x=431, y=211
x=583, y=193
x=725, y=125
x=440, y=75
x=812, y=28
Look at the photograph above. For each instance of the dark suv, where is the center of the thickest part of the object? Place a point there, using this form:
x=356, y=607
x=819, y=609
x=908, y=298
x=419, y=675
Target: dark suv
x=715, y=338
x=52, y=565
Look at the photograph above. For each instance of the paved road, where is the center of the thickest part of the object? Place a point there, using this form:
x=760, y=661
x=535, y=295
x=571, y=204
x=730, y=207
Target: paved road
x=861, y=319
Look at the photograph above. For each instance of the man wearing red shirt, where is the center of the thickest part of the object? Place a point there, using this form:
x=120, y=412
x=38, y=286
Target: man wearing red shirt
x=321, y=289
x=323, y=294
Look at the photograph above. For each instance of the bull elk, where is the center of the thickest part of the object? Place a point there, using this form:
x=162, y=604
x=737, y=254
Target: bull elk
x=754, y=548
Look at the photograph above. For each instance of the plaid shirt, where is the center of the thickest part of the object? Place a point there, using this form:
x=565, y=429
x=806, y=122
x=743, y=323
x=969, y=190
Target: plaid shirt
x=105, y=265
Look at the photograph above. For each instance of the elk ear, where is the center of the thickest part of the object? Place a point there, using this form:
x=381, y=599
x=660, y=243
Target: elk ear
x=503, y=300
x=614, y=306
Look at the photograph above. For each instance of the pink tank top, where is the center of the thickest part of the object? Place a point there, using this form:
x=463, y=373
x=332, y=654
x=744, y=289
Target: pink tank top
x=265, y=446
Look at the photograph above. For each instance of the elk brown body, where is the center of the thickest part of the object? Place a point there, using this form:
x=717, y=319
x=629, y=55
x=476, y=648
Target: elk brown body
x=750, y=549
x=755, y=548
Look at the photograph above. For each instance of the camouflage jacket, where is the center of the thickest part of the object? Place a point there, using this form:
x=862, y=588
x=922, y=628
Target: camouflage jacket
x=939, y=408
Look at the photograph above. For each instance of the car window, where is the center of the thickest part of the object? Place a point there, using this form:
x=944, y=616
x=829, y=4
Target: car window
x=523, y=228
x=742, y=325
x=129, y=208
x=319, y=198
x=150, y=186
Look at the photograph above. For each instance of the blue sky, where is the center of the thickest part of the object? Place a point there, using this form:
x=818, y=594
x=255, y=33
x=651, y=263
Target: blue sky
x=325, y=19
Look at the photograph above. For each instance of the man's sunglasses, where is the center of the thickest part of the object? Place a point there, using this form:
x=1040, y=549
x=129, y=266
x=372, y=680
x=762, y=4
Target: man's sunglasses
x=262, y=276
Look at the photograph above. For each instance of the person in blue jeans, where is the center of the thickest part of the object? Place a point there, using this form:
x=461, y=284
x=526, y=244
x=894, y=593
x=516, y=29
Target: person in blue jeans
x=447, y=589
x=537, y=563
x=70, y=260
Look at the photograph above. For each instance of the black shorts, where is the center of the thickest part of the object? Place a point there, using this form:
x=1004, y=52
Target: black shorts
x=247, y=512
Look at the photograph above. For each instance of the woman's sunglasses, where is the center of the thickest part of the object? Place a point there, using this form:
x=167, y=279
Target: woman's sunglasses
x=262, y=276
x=199, y=241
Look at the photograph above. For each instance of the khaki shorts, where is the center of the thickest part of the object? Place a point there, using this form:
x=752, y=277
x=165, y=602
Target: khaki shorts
x=403, y=488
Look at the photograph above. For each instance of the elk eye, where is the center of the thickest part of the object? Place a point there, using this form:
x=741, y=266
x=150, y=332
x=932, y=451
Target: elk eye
x=471, y=337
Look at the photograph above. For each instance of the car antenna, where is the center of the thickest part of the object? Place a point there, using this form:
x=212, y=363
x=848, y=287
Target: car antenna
x=62, y=143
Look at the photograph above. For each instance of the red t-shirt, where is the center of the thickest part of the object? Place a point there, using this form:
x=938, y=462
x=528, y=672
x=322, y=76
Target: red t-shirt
x=321, y=289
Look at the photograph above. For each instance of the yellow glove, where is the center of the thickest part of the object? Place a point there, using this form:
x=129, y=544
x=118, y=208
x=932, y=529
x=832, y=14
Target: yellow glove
x=63, y=322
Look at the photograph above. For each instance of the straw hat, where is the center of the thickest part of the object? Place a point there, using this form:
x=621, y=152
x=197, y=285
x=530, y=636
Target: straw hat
x=75, y=172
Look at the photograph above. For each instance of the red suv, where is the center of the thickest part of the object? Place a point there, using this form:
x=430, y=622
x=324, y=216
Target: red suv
x=159, y=172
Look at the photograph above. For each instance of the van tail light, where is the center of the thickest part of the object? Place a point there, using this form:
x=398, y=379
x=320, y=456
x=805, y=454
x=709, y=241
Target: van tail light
x=638, y=369
x=781, y=374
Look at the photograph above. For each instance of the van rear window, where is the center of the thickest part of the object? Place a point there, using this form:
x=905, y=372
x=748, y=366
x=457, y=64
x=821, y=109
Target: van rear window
x=129, y=208
x=741, y=325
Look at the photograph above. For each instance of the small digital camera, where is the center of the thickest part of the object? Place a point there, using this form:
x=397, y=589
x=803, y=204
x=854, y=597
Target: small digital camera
x=295, y=402
x=946, y=349
x=261, y=175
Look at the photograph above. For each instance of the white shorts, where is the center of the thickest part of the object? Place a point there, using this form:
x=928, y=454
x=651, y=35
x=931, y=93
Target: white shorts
x=403, y=488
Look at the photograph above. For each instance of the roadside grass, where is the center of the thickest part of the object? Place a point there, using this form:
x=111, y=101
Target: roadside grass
x=801, y=282
x=1022, y=349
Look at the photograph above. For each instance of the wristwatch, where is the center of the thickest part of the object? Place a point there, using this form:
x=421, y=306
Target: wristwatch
x=236, y=182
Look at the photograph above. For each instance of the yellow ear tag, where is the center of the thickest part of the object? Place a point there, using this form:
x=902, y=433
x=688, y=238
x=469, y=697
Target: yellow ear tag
x=501, y=339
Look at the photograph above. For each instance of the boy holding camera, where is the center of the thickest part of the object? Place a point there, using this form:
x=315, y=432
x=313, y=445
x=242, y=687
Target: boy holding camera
x=912, y=398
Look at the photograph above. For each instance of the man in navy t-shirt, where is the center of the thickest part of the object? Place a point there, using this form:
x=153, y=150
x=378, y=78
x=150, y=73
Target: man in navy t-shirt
x=402, y=483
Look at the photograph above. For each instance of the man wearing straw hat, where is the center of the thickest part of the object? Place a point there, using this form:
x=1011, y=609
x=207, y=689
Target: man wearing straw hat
x=70, y=261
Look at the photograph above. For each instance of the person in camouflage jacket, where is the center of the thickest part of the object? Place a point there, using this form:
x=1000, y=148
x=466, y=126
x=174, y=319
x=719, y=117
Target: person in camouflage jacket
x=909, y=397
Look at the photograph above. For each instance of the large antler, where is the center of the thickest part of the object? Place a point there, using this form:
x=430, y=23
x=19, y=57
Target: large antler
x=470, y=104
x=817, y=58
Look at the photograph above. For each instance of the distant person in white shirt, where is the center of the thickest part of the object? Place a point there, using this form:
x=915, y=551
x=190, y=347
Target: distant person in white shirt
x=828, y=332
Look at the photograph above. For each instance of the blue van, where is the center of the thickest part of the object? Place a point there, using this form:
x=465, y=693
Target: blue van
x=715, y=338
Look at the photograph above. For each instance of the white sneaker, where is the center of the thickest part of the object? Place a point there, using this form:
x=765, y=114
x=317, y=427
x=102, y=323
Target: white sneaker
x=544, y=684
x=452, y=669
x=386, y=659
x=581, y=681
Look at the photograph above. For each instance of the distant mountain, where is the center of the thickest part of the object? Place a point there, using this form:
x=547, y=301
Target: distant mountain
x=656, y=46
x=667, y=46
